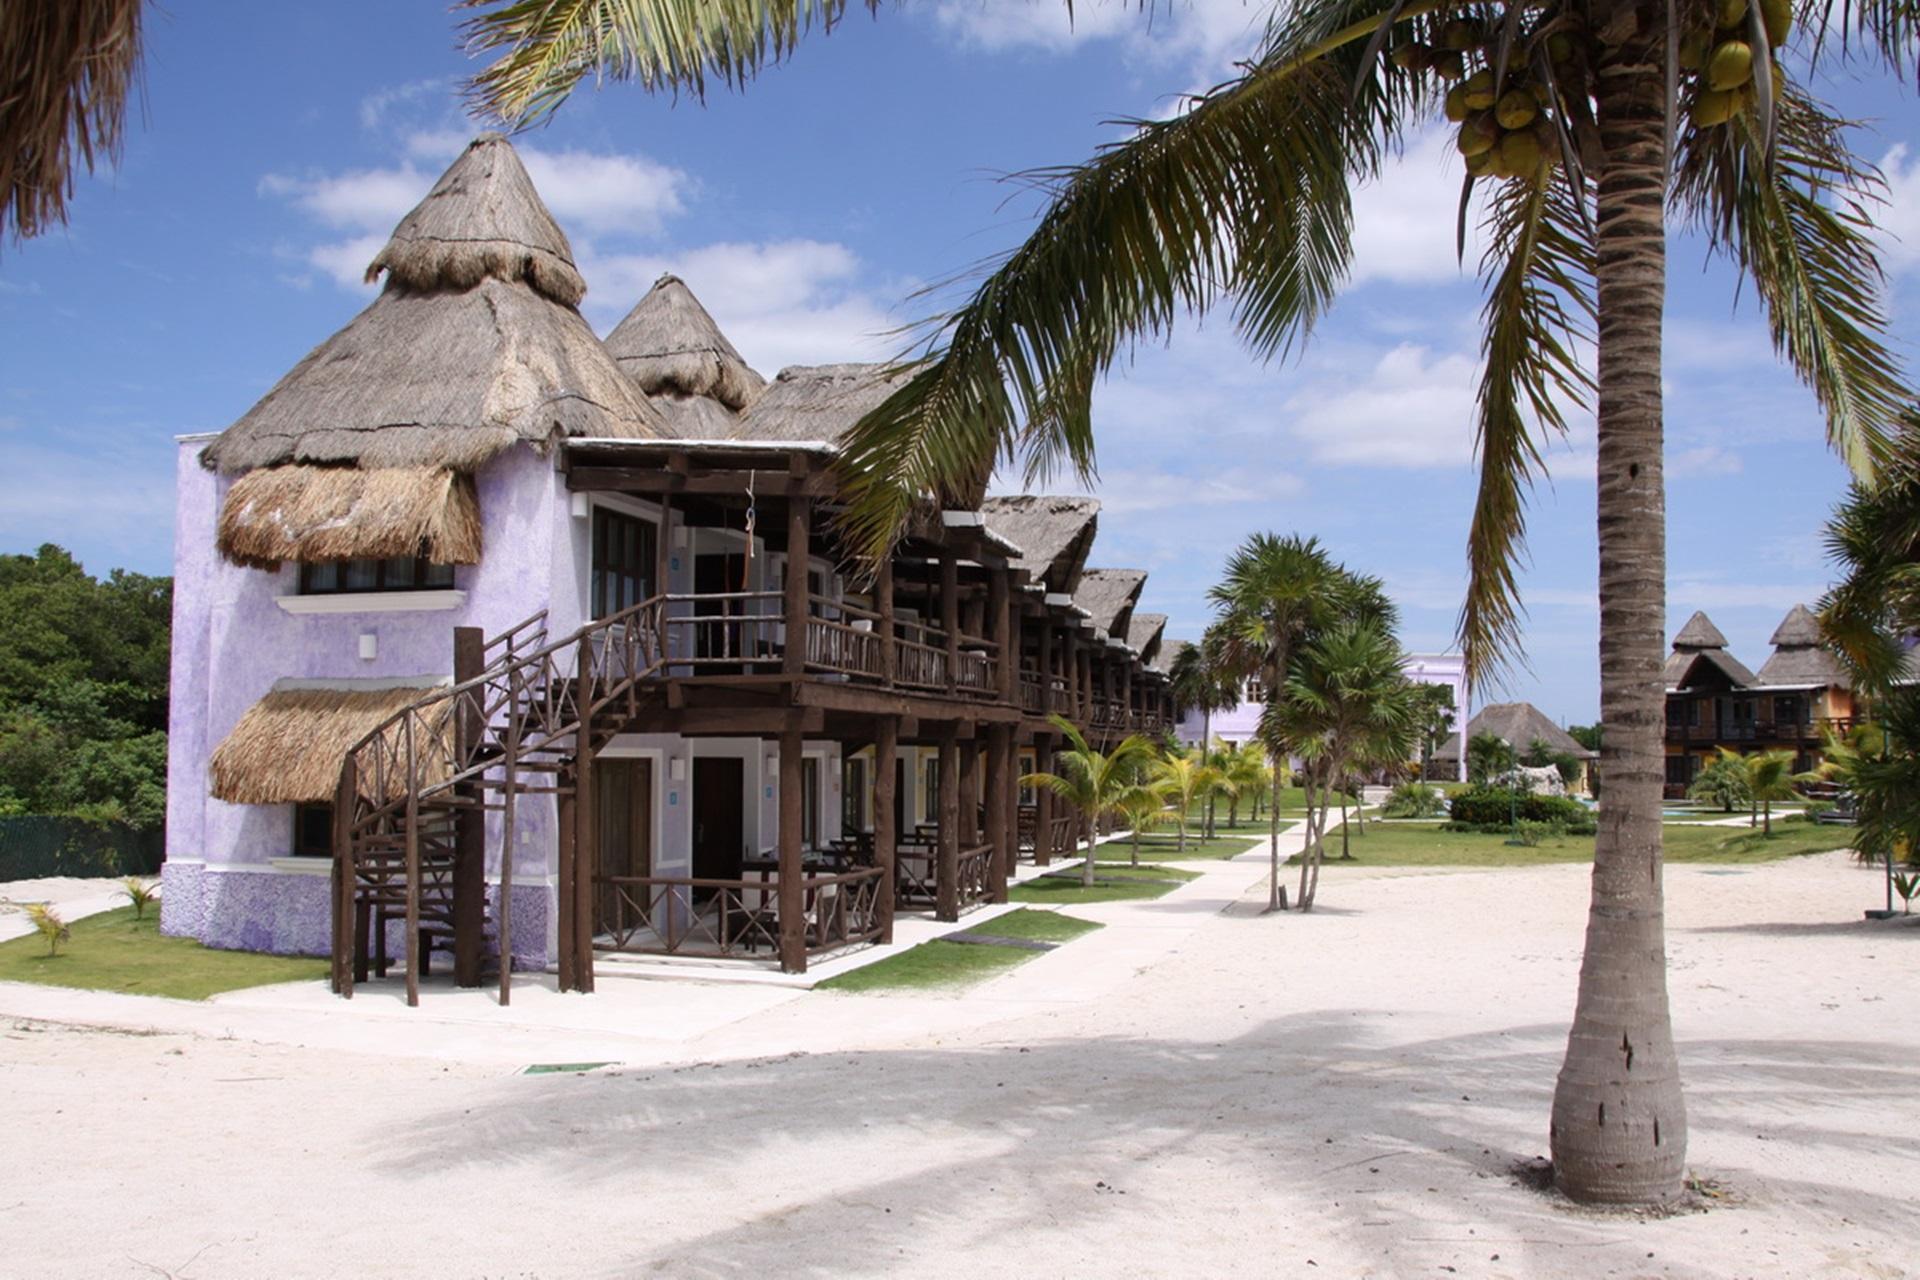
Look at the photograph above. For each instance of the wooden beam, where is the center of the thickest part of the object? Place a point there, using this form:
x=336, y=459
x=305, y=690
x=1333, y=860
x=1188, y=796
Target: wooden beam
x=883, y=598
x=791, y=898
x=947, y=861
x=586, y=839
x=998, y=797
x=1005, y=643
x=886, y=752
x=1043, y=801
x=799, y=541
x=698, y=483
x=950, y=612
x=470, y=824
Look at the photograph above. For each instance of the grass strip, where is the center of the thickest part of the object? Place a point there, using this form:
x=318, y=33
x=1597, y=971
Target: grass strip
x=113, y=951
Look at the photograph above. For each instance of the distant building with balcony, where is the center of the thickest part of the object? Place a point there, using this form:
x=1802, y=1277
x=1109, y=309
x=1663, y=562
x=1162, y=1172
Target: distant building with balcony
x=1714, y=700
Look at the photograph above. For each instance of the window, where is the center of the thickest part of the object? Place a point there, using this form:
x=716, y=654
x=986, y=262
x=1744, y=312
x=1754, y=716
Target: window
x=313, y=831
x=1788, y=711
x=853, y=795
x=930, y=792
x=1027, y=769
x=810, y=802
x=625, y=550
x=395, y=573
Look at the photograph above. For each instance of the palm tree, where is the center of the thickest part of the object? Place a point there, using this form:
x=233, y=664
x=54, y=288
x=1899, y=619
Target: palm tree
x=1091, y=781
x=1243, y=773
x=1345, y=698
x=1182, y=777
x=1201, y=680
x=1770, y=777
x=1723, y=782
x=1140, y=806
x=1245, y=197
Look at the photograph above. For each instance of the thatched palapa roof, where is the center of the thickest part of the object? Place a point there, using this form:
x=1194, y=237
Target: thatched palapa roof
x=338, y=513
x=288, y=747
x=1108, y=596
x=672, y=349
x=474, y=345
x=1519, y=725
x=1145, y=632
x=1699, y=633
x=819, y=402
x=1698, y=648
x=1054, y=532
x=1800, y=656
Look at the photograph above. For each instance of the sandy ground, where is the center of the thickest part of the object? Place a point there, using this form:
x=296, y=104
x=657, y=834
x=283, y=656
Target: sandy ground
x=1196, y=1089
x=71, y=896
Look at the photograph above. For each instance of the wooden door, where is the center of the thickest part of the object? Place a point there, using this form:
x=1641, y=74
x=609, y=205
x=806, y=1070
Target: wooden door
x=718, y=573
x=719, y=817
x=623, y=810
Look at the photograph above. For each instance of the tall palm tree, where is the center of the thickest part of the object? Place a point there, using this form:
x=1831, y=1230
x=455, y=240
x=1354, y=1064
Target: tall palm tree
x=1201, y=680
x=1092, y=781
x=1246, y=197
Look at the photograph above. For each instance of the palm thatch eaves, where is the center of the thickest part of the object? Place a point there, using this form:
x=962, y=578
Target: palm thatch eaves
x=1055, y=533
x=674, y=351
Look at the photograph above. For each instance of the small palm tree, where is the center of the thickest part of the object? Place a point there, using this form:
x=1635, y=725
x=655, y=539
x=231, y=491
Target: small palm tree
x=1182, y=778
x=1723, y=782
x=1770, y=777
x=1092, y=781
x=1141, y=806
x=1243, y=774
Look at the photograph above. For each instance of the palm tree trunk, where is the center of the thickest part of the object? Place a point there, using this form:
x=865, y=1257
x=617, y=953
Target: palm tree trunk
x=1135, y=860
x=1273, y=847
x=1313, y=833
x=1086, y=870
x=1767, y=811
x=1619, y=1129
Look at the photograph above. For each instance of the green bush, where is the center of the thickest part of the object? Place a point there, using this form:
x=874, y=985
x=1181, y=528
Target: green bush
x=1496, y=808
x=1531, y=834
x=1414, y=800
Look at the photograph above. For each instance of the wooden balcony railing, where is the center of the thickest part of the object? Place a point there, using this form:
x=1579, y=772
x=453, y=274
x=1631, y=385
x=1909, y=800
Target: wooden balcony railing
x=680, y=915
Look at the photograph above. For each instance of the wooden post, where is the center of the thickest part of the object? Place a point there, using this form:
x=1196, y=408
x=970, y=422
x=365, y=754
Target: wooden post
x=577, y=879
x=886, y=752
x=470, y=822
x=799, y=539
x=347, y=958
x=1042, y=801
x=947, y=869
x=503, y=906
x=413, y=890
x=566, y=854
x=1046, y=665
x=883, y=601
x=998, y=798
x=970, y=791
x=792, y=898
x=950, y=614
x=1005, y=645
x=1070, y=672
x=662, y=554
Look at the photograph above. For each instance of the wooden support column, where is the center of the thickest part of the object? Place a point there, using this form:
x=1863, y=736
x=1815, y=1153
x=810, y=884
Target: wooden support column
x=565, y=867
x=947, y=861
x=889, y=654
x=999, y=797
x=349, y=958
x=586, y=836
x=950, y=614
x=469, y=823
x=1006, y=641
x=1046, y=665
x=970, y=791
x=799, y=538
x=1042, y=801
x=1070, y=664
x=792, y=899
x=886, y=753
x=662, y=554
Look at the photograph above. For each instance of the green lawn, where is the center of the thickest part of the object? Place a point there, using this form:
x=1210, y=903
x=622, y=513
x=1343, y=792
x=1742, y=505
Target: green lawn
x=1064, y=888
x=1162, y=845
x=1426, y=845
x=114, y=952
x=952, y=966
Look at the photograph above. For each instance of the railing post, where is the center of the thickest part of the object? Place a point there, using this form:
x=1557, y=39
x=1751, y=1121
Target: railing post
x=792, y=899
x=886, y=752
x=799, y=537
x=586, y=836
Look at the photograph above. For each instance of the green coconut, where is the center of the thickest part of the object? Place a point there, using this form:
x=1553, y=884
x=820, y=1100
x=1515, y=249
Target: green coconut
x=1520, y=153
x=1456, y=104
x=1714, y=107
x=1480, y=163
x=1515, y=109
x=1731, y=12
x=1480, y=93
x=1730, y=66
x=1461, y=33
x=1449, y=64
x=1478, y=133
x=1412, y=57
x=1559, y=47
x=1777, y=17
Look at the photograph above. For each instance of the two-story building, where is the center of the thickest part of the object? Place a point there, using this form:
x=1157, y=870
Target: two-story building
x=495, y=640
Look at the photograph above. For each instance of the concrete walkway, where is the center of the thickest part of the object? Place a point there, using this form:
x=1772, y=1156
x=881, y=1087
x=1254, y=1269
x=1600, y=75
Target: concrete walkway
x=654, y=1021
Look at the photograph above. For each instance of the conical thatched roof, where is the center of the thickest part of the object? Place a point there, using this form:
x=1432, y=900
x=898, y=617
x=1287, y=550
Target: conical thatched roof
x=671, y=347
x=1518, y=724
x=818, y=402
x=1108, y=596
x=473, y=346
x=1800, y=656
x=1055, y=533
x=1699, y=633
x=1797, y=629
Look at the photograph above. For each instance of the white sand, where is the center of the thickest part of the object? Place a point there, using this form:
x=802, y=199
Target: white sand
x=1189, y=1091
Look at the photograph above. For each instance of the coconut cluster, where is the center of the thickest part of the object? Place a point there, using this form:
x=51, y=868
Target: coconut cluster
x=1507, y=128
x=1721, y=59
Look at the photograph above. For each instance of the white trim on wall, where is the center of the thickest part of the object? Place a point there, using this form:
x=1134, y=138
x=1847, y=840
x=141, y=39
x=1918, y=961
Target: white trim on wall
x=374, y=602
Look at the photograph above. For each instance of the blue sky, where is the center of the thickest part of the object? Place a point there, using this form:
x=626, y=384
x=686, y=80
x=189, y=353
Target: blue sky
x=277, y=144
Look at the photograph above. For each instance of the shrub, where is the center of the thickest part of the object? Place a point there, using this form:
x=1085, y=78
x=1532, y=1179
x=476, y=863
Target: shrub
x=1414, y=800
x=1496, y=808
x=140, y=894
x=1531, y=834
x=45, y=919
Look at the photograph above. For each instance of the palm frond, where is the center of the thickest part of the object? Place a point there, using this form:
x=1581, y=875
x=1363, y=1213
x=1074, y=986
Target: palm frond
x=1801, y=230
x=546, y=47
x=1888, y=30
x=1539, y=268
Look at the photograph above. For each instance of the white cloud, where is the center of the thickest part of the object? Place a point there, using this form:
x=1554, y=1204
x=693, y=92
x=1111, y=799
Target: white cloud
x=1206, y=35
x=1897, y=222
x=1413, y=408
x=1706, y=460
x=345, y=261
x=1404, y=222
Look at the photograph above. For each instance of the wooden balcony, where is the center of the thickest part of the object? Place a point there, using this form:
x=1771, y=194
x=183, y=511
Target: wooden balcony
x=1761, y=732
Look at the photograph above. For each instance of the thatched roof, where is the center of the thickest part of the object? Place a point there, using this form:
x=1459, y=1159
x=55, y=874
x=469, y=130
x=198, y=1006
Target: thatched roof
x=482, y=220
x=1800, y=656
x=1055, y=533
x=309, y=514
x=1144, y=634
x=1108, y=596
x=288, y=747
x=65, y=72
x=672, y=348
x=467, y=351
x=1683, y=669
x=818, y=402
x=1519, y=725
x=1699, y=633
